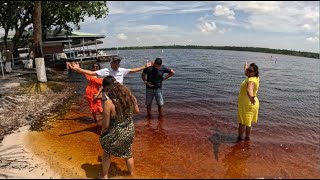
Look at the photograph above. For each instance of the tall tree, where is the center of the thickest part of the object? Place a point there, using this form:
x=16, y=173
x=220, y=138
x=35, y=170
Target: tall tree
x=15, y=15
x=63, y=15
x=59, y=15
x=37, y=30
x=37, y=42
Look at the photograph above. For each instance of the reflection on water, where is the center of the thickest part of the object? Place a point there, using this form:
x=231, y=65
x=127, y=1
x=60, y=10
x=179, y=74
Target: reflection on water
x=235, y=161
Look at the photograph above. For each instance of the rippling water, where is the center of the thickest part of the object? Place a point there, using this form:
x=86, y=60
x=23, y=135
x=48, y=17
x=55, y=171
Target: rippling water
x=197, y=138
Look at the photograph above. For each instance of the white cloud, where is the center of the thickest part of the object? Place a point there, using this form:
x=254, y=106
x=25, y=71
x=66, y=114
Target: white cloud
x=273, y=24
x=155, y=7
x=255, y=7
x=207, y=26
x=312, y=14
x=306, y=27
x=224, y=30
x=153, y=27
x=313, y=39
x=122, y=36
x=223, y=11
x=277, y=16
x=103, y=31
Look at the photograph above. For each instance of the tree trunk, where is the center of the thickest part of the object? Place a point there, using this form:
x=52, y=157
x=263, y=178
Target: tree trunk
x=37, y=42
x=5, y=39
x=37, y=31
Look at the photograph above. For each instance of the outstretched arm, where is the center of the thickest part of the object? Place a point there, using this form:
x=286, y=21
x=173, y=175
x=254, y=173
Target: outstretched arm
x=77, y=68
x=137, y=69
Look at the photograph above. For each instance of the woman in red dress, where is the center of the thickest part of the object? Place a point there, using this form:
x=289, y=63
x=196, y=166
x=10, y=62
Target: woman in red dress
x=94, y=83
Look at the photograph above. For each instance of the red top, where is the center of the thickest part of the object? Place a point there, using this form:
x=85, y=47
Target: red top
x=93, y=86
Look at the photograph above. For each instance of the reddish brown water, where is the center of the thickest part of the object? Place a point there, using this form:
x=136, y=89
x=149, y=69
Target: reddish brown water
x=176, y=147
x=197, y=137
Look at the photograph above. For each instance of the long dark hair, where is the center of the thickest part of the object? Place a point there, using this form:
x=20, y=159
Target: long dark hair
x=121, y=96
x=254, y=68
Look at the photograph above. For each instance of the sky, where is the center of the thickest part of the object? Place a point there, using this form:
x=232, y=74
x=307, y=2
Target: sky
x=291, y=25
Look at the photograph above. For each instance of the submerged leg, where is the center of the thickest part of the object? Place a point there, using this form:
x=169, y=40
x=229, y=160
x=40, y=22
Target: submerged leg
x=241, y=130
x=149, y=111
x=160, y=112
x=248, y=132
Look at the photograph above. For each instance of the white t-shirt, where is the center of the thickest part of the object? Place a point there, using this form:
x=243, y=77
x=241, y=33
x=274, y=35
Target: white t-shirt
x=118, y=74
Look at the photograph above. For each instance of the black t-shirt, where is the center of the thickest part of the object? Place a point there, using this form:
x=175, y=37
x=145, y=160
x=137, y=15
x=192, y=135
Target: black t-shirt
x=155, y=76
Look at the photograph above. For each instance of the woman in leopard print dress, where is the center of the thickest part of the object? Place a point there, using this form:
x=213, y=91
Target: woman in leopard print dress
x=117, y=125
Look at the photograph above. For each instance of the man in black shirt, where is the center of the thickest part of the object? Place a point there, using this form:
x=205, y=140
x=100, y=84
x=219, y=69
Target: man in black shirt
x=154, y=84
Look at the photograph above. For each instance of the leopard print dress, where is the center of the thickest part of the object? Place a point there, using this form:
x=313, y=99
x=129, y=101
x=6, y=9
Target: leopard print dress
x=117, y=140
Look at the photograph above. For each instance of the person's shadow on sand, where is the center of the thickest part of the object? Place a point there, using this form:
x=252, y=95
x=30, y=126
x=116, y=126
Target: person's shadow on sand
x=94, y=129
x=93, y=170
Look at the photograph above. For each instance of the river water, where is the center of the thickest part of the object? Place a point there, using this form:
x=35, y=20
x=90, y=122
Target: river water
x=197, y=137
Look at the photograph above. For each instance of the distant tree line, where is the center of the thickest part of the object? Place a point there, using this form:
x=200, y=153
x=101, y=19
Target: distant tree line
x=234, y=48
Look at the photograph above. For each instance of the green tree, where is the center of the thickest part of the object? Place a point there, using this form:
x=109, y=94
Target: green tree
x=63, y=15
x=15, y=16
x=57, y=16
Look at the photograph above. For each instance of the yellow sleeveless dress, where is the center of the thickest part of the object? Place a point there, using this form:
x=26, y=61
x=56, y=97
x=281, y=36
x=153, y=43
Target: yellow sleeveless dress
x=247, y=112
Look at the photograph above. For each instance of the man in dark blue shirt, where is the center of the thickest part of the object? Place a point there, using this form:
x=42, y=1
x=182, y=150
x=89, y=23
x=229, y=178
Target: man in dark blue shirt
x=154, y=84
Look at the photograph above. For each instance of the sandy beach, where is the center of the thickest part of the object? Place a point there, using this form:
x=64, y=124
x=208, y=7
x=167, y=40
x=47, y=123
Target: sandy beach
x=39, y=140
x=19, y=162
x=21, y=111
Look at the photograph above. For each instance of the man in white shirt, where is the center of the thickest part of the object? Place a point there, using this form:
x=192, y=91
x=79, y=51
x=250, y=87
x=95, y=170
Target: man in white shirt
x=116, y=71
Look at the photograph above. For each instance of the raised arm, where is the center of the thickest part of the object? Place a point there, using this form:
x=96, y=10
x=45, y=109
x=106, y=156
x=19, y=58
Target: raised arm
x=76, y=67
x=137, y=69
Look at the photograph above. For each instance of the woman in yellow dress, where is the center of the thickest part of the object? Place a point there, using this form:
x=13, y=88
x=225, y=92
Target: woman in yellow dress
x=248, y=103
